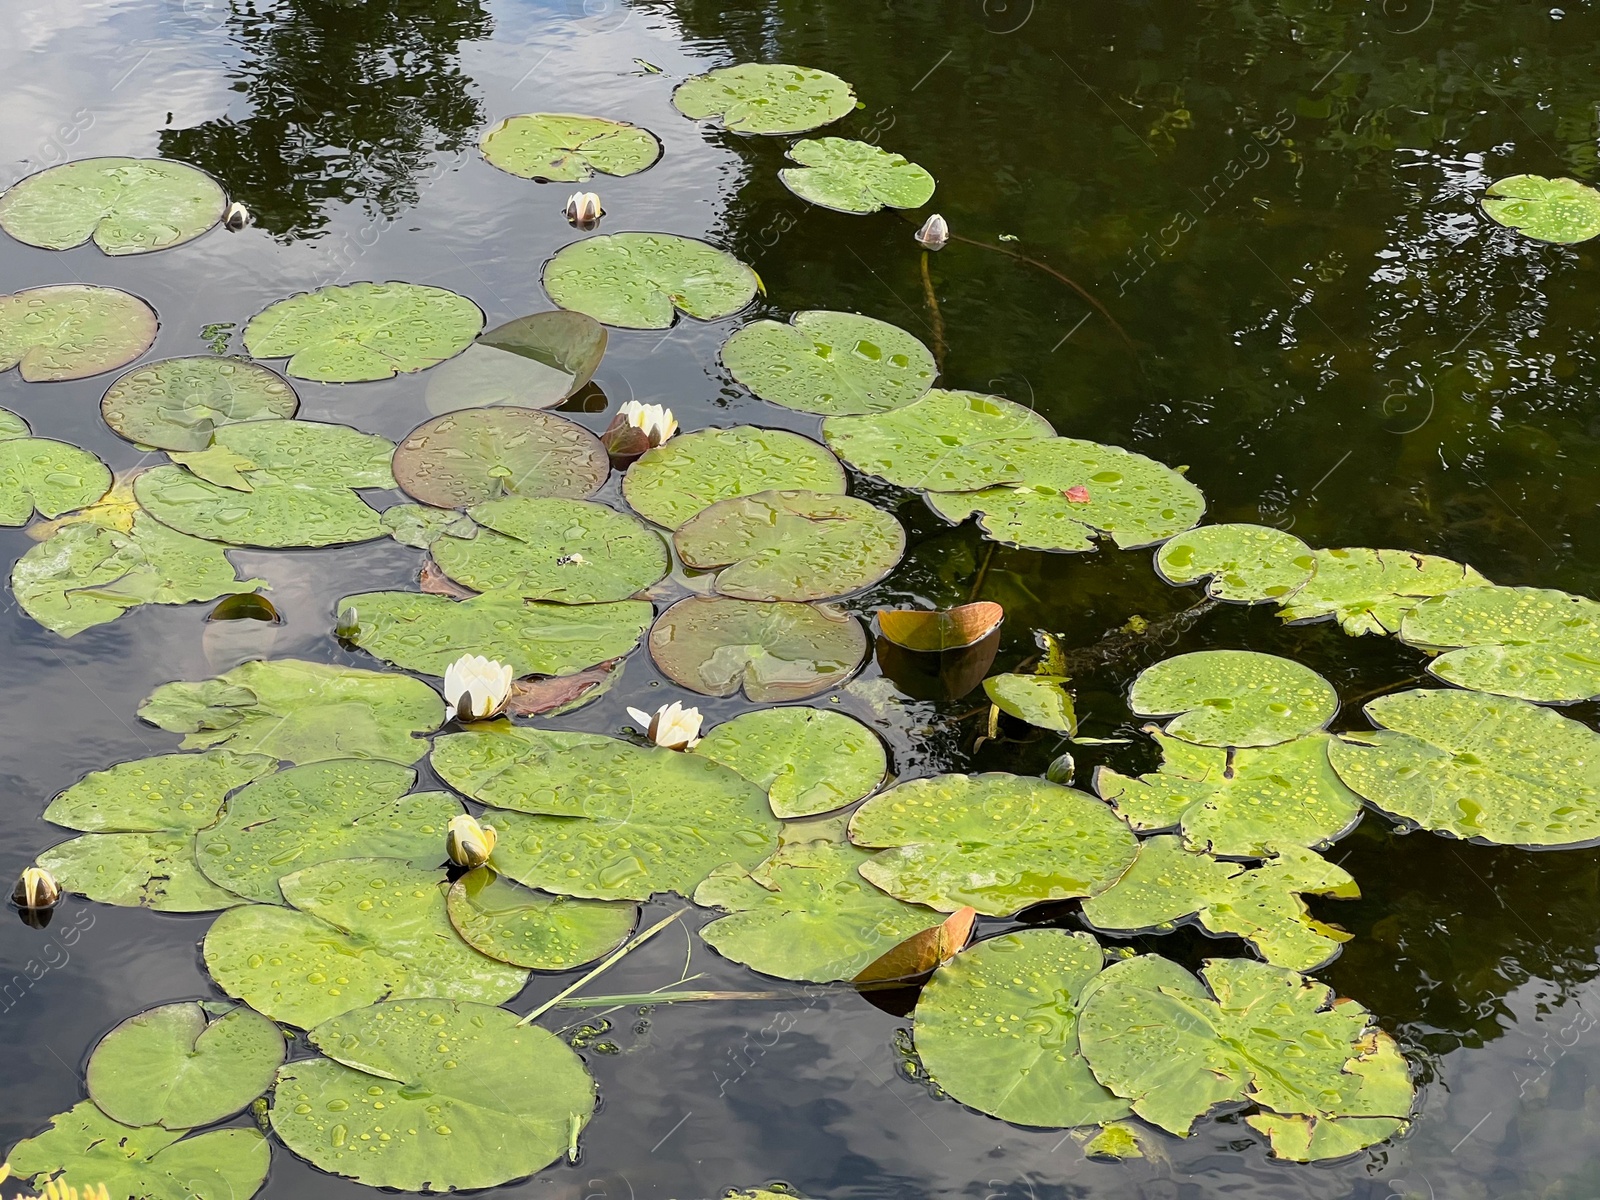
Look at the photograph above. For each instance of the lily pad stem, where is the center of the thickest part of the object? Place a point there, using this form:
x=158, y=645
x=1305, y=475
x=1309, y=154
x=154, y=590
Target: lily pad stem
x=933, y=309
x=1048, y=270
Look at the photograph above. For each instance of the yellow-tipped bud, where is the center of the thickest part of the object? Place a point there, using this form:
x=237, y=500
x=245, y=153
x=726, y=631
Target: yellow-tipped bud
x=37, y=889
x=468, y=843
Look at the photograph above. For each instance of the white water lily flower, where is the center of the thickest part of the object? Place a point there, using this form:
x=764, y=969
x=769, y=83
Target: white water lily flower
x=583, y=209
x=655, y=420
x=237, y=217
x=935, y=232
x=672, y=726
x=476, y=688
x=468, y=843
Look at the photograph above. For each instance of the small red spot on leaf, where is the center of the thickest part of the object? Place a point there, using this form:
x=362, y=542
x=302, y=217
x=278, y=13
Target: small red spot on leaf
x=1077, y=494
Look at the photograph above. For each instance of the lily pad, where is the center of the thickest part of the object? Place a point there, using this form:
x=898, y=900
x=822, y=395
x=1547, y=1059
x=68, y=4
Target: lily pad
x=944, y=441
x=675, y=481
x=535, y=361
x=809, y=760
x=833, y=363
x=561, y=147
x=791, y=545
x=1562, y=211
x=127, y=205
x=1239, y=803
x=765, y=98
x=169, y=1066
x=178, y=403
x=301, y=712
x=1370, y=591
x=855, y=177
x=549, y=772
x=352, y=332
x=995, y=841
x=1168, y=884
x=480, y=454
x=1041, y=700
x=525, y=928
x=432, y=1095
x=1234, y=697
x=775, y=652
x=996, y=1028
x=50, y=477
x=643, y=280
x=72, y=331
x=420, y=525
x=1244, y=563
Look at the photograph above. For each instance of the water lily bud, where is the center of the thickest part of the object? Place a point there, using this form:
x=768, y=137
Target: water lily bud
x=37, y=889
x=583, y=210
x=476, y=688
x=236, y=218
x=672, y=726
x=1061, y=770
x=468, y=843
x=654, y=420
x=348, y=625
x=935, y=232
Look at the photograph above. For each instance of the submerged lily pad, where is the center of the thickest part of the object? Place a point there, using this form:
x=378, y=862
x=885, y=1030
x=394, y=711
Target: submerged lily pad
x=643, y=280
x=38, y=474
x=1234, y=697
x=809, y=760
x=562, y=147
x=944, y=441
x=72, y=331
x=1552, y=210
x=536, y=361
x=833, y=363
x=479, y=454
x=1370, y=591
x=674, y=481
x=996, y=1028
x=178, y=403
x=791, y=545
x=1244, y=563
x=995, y=841
x=775, y=652
x=352, y=332
x=1041, y=700
x=127, y=205
x=765, y=98
x=525, y=928
x=855, y=177
x=433, y=1095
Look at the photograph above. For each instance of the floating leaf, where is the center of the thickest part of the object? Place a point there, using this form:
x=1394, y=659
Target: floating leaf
x=685, y=476
x=765, y=98
x=1552, y=210
x=351, y=332
x=44, y=475
x=535, y=361
x=943, y=629
x=921, y=953
x=1041, y=700
x=478, y=454
x=178, y=403
x=420, y=525
x=247, y=607
x=550, y=772
x=833, y=363
x=855, y=177
x=561, y=147
x=525, y=928
x=996, y=841
x=775, y=652
x=809, y=760
x=943, y=441
x=127, y=205
x=1370, y=591
x=72, y=331
x=1245, y=563
x=432, y=1095
x=1234, y=697
x=1116, y=1139
x=996, y=1027
x=643, y=280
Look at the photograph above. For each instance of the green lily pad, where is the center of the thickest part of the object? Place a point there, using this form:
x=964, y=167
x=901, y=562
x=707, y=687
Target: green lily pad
x=1041, y=700
x=1534, y=643
x=149, y=1162
x=775, y=652
x=343, y=808
x=1234, y=697
x=420, y=525
x=433, y=1095
x=127, y=205
x=169, y=1066
x=1177, y=1047
x=809, y=760
x=178, y=403
x=765, y=98
x=525, y=928
x=561, y=147
x=1244, y=563
x=674, y=481
x=549, y=772
x=535, y=362
x=568, y=551
x=1485, y=768
x=996, y=1028
x=1117, y=1139
x=352, y=332
x=480, y=454
x=855, y=177
x=944, y=441
x=1240, y=803
x=791, y=545
x=833, y=363
x=1552, y=210
x=996, y=841
x=643, y=280
x=1168, y=884
x=137, y=870
x=72, y=331
x=50, y=477
x=1370, y=591
x=301, y=712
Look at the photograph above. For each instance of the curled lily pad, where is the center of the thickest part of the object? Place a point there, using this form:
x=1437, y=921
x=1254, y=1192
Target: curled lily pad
x=1234, y=697
x=643, y=280
x=995, y=841
x=50, y=477
x=561, y=147
x=941, y=630
x=358, y=331
x=178, y=403
x=1245, y=563
x=1041, y=700
x=809, y=760
x=791, y=545
x=996, y=1028
x=833, y=363
x=765, y=98
x=72, y=331
x=685, y=476
x=919, y=955
x=127, y=205
x=775, y=652
x=525, y=928
x=1552, y=210
x=855, y=177
x=945, y=441
x=1370, y=591
x=480, y=454
x=536, y=361
x=433, y=1095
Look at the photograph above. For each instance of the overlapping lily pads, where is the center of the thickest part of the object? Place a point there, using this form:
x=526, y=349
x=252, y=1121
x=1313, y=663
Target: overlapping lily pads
x=1249, y=564
x=685, y=476
x=643, y=280
x=72, y=331
x=765, y=98
x=525, y=928
x=38, y=474
x=1370, y=591
x=1552, y=210
x=563, y=147
x=481, y=454
x=1234, y=697
x=855, y=177
x=809, y=760
x=178, y=403
x=833, y=363
x=535, y=361
x=774, y=652
x=126, y=205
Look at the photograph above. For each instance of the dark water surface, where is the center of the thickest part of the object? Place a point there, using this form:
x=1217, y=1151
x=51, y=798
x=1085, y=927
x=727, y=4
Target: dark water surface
x=1273, y=203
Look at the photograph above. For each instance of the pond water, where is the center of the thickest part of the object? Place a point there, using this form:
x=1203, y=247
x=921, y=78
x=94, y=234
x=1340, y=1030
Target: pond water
x=1295, y=294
